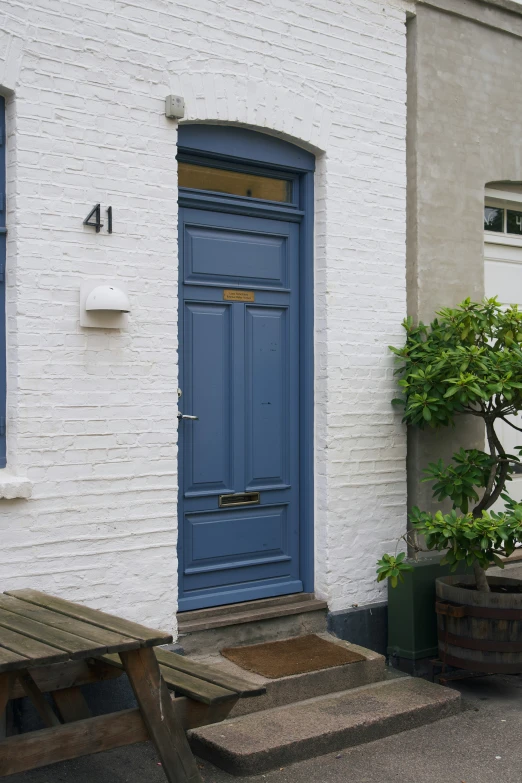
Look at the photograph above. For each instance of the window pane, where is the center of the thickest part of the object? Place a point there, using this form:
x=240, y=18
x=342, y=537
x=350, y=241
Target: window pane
x=236, y=182
x=514, y=222
x=493, y=219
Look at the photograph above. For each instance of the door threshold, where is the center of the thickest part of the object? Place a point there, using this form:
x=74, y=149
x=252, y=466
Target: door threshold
x=248, y=611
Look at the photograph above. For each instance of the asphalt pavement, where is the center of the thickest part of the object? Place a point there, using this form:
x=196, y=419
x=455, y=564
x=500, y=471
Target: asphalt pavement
x=481, y=745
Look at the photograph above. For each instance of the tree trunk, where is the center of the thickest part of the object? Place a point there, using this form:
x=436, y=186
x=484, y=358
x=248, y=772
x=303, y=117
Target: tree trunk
x=481, y=579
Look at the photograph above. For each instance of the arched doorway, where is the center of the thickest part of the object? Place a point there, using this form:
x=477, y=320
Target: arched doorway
x=246, y=366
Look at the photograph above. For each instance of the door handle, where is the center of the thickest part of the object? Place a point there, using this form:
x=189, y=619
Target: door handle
x=186, y=416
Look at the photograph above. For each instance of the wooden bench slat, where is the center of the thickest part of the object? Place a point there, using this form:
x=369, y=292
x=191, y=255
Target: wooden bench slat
x=185, y=684
x=208, y=673
x=147, y=636
x=195, y=688
x=201, y=671
x=108, y=639
x=74, y=645
x=10, y=660
x=35, y=652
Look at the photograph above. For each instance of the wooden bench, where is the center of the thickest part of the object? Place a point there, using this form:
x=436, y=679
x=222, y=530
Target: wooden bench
x=49, y=645
x=201, y=694
x=198, y=682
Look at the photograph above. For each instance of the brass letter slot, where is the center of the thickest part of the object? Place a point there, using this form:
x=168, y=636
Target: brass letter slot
x=239, y=499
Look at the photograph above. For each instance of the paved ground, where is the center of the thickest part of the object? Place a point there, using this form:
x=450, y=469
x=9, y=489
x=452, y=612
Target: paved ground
x=482, y=745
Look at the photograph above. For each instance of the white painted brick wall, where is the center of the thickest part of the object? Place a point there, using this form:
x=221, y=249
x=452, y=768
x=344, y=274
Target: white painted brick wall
x=91, y=414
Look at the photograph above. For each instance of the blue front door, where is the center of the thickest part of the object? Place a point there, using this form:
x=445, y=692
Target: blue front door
x=239, y=357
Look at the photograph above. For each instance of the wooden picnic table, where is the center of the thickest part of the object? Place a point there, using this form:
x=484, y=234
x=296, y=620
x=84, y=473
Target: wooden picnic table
x=44, y=639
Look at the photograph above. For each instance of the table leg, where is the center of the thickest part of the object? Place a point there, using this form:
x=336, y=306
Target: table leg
x=42, y=706
x=158, y=715
x=6, y=681
x=71, y=704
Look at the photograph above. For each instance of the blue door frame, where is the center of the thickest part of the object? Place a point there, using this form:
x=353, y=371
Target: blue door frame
x=258, y=153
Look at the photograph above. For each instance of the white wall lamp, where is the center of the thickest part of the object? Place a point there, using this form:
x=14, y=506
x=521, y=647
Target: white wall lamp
x=103, y=304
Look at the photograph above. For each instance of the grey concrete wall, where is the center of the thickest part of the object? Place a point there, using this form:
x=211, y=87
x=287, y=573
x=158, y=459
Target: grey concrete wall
x=464, y=130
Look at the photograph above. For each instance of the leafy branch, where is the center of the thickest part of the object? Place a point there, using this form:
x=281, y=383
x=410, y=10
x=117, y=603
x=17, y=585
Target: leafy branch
x=467, y=362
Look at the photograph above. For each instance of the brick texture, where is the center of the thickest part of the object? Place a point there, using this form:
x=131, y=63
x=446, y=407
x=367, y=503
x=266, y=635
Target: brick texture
x=92, y=413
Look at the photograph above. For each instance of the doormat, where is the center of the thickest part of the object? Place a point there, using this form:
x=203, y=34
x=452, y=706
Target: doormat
x=291, y=656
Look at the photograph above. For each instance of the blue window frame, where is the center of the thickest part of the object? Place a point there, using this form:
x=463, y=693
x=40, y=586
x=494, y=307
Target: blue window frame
x=3, y=232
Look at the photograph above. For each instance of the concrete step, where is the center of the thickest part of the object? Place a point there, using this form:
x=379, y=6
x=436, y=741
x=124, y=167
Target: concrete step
x=206, y=631
x=259, y=742
x=288, y=690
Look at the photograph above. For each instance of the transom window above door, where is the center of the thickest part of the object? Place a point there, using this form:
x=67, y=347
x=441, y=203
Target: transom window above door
x=236, y=183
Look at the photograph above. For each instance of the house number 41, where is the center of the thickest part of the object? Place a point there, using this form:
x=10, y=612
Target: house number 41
x=93, y=219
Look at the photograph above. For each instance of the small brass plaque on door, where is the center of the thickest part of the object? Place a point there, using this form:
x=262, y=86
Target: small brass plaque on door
x=233, y=295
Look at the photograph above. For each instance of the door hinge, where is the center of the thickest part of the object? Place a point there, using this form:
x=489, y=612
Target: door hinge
x=2, y=426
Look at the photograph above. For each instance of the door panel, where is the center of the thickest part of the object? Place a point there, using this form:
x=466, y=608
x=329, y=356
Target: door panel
x=221, y=540
x=228, y=256
x=268, y=416
x=208, y=347
x=239, y=373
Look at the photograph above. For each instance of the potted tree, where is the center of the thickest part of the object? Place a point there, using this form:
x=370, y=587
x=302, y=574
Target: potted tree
x=468, y=362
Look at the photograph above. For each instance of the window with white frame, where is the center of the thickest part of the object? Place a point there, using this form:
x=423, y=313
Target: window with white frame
x=503, y=213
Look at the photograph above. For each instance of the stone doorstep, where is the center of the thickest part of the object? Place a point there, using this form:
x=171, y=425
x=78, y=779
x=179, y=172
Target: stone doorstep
x=258, y=742
x=248, y=612
x=254, y=629
x=298, y=687
x=243, y=606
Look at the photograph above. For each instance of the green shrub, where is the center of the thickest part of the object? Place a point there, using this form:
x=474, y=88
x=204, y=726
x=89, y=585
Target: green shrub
x=467, y=362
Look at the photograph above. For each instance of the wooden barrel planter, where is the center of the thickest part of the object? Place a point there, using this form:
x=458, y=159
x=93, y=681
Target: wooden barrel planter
x=480, y=632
